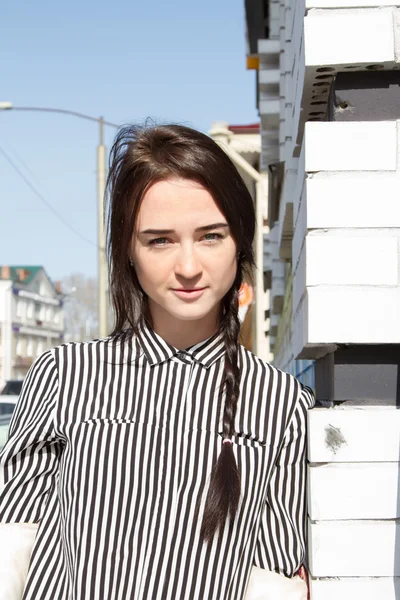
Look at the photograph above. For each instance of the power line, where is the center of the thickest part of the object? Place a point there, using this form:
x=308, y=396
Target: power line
x=18, y=158
x=43, y=199
x=64, y=111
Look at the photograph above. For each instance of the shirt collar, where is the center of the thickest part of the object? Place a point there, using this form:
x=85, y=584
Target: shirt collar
x=158, y=350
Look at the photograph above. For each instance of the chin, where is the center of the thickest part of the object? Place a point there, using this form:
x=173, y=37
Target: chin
x=191, y=311
x=189, y=315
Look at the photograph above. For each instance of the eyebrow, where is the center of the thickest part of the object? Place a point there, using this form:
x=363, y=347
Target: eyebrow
x=166, y=231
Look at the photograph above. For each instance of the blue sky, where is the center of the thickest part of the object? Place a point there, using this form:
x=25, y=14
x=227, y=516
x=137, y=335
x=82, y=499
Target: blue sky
x=177, y=61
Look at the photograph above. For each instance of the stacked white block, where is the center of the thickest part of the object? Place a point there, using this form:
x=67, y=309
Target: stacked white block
x=343, y=207
x=295, y=67
x=268, y=100
x=274, y=19
x=369, y=36
x=354, y=503
x=278, y=273
x=346, y=243
x=292, y=70
x=285, y=226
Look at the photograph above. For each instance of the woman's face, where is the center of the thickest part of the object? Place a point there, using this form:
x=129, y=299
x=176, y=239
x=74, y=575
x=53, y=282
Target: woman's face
x=183, y=251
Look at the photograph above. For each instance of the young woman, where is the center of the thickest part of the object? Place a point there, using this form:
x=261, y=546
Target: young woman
x=166, y=461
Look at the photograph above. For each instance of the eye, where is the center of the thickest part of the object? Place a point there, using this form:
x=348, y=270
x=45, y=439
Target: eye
x=161, y=241
x=212, y=237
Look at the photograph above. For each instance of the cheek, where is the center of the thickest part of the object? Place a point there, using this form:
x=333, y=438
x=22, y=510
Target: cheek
x=152, y=271
x=223, y=267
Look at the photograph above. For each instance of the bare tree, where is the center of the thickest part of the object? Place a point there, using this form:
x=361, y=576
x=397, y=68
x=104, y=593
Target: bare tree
x=80, y=307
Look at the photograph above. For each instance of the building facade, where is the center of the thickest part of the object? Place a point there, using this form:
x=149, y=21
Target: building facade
x=328, y=94
x=31, y=318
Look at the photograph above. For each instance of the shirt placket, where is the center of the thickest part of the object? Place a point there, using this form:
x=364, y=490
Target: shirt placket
x=185, y=362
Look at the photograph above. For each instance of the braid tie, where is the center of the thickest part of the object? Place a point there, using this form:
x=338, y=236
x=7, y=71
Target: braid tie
x=224, y=491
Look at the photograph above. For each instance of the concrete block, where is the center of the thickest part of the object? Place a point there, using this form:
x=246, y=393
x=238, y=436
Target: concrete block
x=300, y=321
x=268, y=47
x=366, y=36
x=350, y=146
x=268, y=52
x=300, y=169
x=352, y=588
x=278, y=285
x=268, y=76
x=274, y=28
x=285, y=227
x=353, y=491
x=274, y=10
x=351, y=435
x=299, y=279
x=351, y=260
x=299, y=227
x=353, y=548
x=270, y=107
x=353, y=315
x=350, y=200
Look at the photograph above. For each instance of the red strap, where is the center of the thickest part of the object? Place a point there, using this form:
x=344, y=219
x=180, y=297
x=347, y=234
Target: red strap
x=303, y=573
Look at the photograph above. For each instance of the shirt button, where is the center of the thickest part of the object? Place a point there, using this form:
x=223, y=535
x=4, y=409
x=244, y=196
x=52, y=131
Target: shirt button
x=184, y=356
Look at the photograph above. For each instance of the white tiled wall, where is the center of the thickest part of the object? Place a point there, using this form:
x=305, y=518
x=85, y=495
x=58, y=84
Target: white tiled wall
x=342, y=183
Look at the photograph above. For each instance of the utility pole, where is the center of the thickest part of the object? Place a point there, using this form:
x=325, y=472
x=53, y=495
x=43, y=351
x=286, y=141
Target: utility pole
x=101, y=186
x=101, y=236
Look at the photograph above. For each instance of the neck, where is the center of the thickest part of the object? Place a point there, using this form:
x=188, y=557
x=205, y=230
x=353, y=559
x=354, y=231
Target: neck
x=183, y=333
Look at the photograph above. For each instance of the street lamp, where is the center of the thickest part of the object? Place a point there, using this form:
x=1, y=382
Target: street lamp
x=101, y=186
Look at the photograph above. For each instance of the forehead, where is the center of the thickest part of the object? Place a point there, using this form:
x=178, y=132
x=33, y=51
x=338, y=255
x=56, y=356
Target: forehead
x=168, y=203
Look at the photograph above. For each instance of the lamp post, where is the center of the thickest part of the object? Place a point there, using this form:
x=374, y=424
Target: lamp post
x=102, y=274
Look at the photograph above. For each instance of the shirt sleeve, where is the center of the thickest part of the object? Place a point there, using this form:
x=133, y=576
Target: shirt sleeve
x=29, y=459
x=281, y=539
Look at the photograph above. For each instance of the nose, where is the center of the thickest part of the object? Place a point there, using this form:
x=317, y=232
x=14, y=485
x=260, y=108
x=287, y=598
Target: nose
x=187, y=263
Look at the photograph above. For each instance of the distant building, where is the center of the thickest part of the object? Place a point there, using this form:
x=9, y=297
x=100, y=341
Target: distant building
x=242, y=143
x=31, y=318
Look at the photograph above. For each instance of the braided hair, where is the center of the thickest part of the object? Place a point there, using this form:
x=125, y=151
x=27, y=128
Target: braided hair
x=224, y=490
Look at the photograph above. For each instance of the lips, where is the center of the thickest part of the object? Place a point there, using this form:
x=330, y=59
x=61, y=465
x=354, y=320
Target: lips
x=188, y=290
x=188, y=293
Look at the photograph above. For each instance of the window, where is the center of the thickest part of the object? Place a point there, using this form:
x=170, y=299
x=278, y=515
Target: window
x=29, y=312
x=56, y=316
x=29, y=347
x=19, y=347
x=21, y=308
x=39, y=348
x=49, y=314
x=40, y=311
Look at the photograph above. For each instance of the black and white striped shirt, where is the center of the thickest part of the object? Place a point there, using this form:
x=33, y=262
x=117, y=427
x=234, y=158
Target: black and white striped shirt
x=111, y=443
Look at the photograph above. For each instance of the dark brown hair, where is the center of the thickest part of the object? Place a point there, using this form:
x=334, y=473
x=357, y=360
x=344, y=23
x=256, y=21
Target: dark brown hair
x=140, y=157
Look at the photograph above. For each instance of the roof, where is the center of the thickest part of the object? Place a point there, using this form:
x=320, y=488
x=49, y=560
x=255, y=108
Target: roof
x=251, y=128
x=30, y=272
x=245, y=139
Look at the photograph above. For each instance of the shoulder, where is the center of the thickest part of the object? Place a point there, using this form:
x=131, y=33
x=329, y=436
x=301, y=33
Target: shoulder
x=252, y=365
x=96, y=349
x=273, y=384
